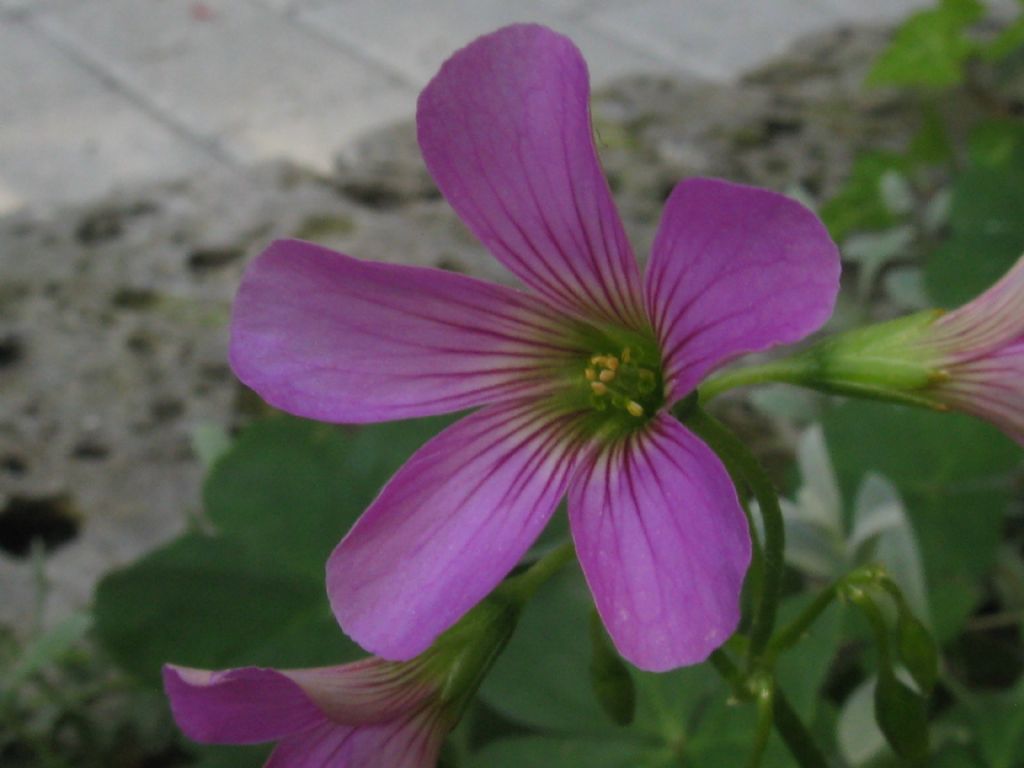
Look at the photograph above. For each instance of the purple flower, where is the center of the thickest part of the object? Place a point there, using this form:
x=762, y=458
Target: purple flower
x=363, y=714
x=369, y=713
x=979, y=349
x=576, y=376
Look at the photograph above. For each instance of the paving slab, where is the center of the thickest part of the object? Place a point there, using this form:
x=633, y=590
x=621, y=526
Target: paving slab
x=236, y=72
x=414, y=37
x=66, y=136
x=719, y=40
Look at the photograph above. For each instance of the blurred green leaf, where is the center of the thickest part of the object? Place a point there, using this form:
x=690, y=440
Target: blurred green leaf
x=930, y=48
x=943, y=466
x=253, y=593
x=999, y=723
x=47, y=649
x=609, y=676
x=542, y=680
x=917, y=651
x=568, y=752
x=902, y=716
x=986, y=218
x=1008, y=41
x=209, y=442
x=860, y=204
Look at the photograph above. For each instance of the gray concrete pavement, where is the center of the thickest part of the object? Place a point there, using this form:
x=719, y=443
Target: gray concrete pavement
x=99, y=93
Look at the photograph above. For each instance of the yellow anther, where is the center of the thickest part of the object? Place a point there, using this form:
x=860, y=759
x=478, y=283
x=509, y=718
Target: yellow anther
x=625, y=355
x=590, y=374
x=596, y=359
x=611, y=362
x=607, y=375
x=599, y=388
x=635, y=409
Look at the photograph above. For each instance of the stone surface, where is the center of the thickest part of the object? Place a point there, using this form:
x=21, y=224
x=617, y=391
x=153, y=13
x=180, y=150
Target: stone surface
x=235, y=74
x=415, y=37
x=718, y=40
x=65, y=135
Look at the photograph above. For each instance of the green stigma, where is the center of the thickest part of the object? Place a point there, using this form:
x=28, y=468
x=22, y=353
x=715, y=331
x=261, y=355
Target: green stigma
x=623, y=382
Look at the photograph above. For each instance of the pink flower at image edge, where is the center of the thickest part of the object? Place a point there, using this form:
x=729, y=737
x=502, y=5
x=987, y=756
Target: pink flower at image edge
x=574, y=377
x=980, y=350
x=357, y=714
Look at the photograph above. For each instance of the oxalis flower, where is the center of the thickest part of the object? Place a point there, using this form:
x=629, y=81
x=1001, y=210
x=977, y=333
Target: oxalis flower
x=576, y=375
x=372, y=713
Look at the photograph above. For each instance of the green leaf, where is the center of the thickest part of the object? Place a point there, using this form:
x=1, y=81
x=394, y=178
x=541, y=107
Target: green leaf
x=542, y=679
x=567, y=752
x=609, y=676
x=943, y=465
x=47, y=649
x=917, y=651
x=1009, y=41
x=930, y=48
x=860, y=205
x=211, y=603
x=986, y=218
x=801, y=671
x=253, y=593
x=902, y=716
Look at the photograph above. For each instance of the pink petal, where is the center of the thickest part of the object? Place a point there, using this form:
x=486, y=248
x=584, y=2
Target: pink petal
x=238, y=706
x=449, y=526
x=411, y=743
x=505, y=131
x=663, y=544
x=329, y=337
x=734, y=270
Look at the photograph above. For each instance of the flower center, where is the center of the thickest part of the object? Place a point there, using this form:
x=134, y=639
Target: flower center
x=623, y=382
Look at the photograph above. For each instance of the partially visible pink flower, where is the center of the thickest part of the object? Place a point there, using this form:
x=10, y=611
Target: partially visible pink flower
x=576, y=377
x=979, y=348
x=371, y=713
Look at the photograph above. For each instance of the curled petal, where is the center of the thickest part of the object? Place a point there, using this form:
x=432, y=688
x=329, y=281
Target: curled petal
x=411, y=743
x=449, y=526
x=663, y=544
x=990, y=387
x=329, y=337
x=992, y=320
x=734, y=270
x=505, y=131
x=238, y=706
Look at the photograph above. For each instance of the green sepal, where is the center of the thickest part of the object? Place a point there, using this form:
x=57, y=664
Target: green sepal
x=887, y=361
x=609, y=676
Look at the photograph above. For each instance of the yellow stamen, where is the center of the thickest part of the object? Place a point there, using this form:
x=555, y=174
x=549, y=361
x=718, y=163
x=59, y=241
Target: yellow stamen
x=607, y=375
x=625, y=355
x=596, y=359
x=611, y=362
x=635, y=409
x=590, y=374
x=599, y=388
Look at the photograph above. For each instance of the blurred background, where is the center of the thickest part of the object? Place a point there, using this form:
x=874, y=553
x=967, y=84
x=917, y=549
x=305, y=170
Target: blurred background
x=149, y=148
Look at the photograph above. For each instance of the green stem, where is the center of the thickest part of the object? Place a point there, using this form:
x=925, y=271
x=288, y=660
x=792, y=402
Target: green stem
x=788, y=371
x=791, y=634
x=765, y=708
x=741, y=462
x=795, y=735
x=523, y=586
x=793, y=732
